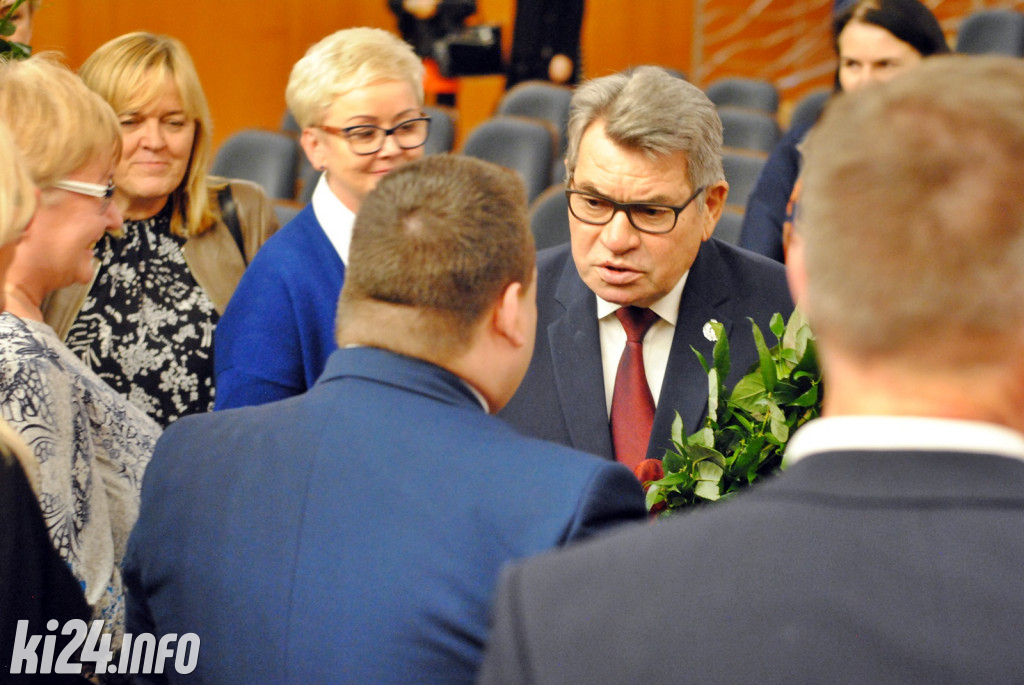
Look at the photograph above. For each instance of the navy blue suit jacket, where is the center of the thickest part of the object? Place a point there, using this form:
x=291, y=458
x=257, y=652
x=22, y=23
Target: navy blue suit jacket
x=562, y=397
x=850, y=567
x=353, y=534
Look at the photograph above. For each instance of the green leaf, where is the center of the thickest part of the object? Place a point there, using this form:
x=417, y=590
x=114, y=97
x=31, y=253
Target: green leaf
x=721, y=351
x=809, y=360
x=764, y=358
x=808, y=399
x=777, y=325
x=804, y=337
x=706, y=490
x=748, y=393
x=713, y=386
x=672, y=462
x=748, y=458
x=701, y=359
x=710, y=472
x=678, y=430
x=654, y=495
x=7, y=27
x=797, y=321
x=778, y=422
x=672, y=480
x=709, y=481
x=699, y=455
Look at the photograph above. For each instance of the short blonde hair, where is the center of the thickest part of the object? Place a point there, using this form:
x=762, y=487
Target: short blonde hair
x=130, y=73
x=344, y=61
x=17, y=199
x=912, y=212
x=58, y=124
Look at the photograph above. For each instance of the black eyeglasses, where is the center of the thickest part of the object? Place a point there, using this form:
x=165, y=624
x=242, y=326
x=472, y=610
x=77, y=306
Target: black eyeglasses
x=367, y=139
x=106, y=192
x=598, y=210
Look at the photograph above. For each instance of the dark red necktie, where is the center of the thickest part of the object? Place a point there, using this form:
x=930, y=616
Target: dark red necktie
x=632, y=403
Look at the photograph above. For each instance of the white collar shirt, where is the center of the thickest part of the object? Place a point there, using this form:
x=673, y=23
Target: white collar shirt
x=657, y=342
x=902, y=433
x=335, y=218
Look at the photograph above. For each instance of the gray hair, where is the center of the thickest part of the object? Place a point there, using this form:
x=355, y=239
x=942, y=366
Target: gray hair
x=648, y=109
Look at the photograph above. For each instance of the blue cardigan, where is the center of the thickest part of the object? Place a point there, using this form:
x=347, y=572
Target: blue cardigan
x=278, y=329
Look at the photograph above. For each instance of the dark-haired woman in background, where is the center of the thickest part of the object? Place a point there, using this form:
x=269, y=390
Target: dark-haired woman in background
x=875, y=41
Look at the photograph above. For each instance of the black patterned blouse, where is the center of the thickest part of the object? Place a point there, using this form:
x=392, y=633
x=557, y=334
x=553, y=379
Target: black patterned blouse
x=146, y=327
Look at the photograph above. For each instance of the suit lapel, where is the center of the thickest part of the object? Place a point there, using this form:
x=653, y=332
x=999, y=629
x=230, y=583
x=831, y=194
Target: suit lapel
x=576, y=359
x=685, y=387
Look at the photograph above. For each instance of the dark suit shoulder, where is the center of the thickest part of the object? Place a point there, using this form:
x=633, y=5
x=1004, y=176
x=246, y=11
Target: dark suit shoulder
x=551, y=267
x=756, y=285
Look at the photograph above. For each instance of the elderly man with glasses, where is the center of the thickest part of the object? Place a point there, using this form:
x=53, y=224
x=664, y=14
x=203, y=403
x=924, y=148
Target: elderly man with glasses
x=623, y=306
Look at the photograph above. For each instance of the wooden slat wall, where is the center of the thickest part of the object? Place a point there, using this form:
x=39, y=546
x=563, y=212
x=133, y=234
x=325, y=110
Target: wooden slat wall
x=245, y=50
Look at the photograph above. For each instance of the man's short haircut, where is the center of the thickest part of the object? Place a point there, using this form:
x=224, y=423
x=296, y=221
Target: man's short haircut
x=344, y=61
x=912, y=211
x=650, y=110
x=59, y=125
x=438, y=239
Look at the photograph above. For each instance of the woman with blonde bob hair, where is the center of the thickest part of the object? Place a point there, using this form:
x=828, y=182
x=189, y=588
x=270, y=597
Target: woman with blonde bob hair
x=90, y=444
x=146, y=324
x=358, y=96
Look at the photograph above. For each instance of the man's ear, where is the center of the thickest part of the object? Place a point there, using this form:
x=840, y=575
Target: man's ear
x=507, y=318
x=714, y=204
x=796, y=270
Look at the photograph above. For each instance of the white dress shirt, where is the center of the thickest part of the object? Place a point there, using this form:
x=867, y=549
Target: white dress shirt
x=657, y=342
x=902, y=433
x=335, y=218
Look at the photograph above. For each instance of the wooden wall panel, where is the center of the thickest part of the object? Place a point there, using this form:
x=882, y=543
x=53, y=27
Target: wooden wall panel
x=245, y=50
x=788, y=42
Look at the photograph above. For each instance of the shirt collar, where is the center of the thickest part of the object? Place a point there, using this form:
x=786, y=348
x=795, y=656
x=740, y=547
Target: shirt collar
x=902, y=433
x=667, y=308
x=335, y=218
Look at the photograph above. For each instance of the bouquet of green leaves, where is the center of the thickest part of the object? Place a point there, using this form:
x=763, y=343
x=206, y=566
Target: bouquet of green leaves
x=747, y=428
x=10, y=49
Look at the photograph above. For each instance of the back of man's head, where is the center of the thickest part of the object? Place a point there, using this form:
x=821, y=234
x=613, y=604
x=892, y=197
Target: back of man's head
x=433, y=248
x=911, y=218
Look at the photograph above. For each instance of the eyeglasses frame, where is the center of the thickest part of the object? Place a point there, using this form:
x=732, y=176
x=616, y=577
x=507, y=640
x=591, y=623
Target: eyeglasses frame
x=345, y=132
x=626, y=206
x=103, y=192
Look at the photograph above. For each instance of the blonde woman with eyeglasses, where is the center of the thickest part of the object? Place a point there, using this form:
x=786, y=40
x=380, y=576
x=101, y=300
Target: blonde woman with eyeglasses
x=358, y=96
x=91, y=444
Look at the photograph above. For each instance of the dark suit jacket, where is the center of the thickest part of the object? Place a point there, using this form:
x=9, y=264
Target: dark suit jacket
x=850, y=567
x=562, y=397
x=353, y=533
